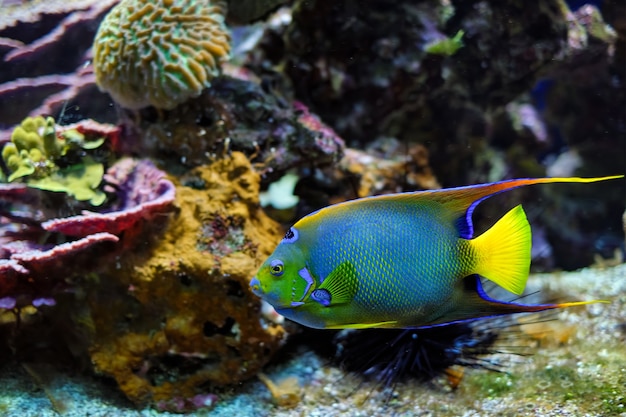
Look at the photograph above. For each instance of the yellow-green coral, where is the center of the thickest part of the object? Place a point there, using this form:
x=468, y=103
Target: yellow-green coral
x=161, y=52
x=25, y=152
x=34, y=153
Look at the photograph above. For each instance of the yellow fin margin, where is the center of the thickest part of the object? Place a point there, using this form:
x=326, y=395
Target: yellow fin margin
x=580, y=303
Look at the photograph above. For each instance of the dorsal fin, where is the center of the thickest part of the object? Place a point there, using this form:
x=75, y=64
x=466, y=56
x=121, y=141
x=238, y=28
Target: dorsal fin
x=461, y=201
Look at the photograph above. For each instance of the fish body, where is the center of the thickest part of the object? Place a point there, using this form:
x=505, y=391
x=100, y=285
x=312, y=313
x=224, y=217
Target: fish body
x=403, y=260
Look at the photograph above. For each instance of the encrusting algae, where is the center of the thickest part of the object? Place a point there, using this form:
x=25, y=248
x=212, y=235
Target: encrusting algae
x=175, y=317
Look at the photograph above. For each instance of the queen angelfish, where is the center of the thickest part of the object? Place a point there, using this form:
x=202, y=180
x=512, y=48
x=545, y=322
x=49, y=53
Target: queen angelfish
x=404, y=260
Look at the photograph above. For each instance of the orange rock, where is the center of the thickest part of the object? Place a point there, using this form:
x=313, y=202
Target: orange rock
x=175, y=316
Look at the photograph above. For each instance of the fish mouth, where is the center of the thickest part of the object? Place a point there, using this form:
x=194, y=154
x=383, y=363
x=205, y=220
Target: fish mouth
x=255, y=287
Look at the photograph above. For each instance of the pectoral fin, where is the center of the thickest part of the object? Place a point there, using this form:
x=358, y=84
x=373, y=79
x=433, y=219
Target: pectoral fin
x=339, y=287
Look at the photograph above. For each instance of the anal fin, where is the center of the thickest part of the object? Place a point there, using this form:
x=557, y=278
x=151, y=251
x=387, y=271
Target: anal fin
x=475, y=304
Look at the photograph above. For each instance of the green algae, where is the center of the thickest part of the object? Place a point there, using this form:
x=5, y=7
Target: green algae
x=44, y=158
x=491, y=384
x=447, y=46
x=557, y=380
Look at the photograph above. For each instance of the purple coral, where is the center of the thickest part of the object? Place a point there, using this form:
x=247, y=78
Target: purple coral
x=25, y=274
x=326, y=139
x=44, y=49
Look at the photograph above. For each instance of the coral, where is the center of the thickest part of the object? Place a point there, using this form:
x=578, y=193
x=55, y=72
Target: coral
x=174, y=317
x=142, y=193
x=367, y=71
x=54, y=161
x=384, y=167
x=287, y=393
x=279, y=194
x=42, y=250
x=585, y=83
x=71, y=88
x=44, y=48
x=26, y=276
x=389, y=172
x=20, y=12
x=11, y=192
x=79, y=13
x=160, y=53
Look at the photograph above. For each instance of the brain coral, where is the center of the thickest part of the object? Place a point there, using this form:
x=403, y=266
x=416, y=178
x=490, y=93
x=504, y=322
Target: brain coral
x=161, y=52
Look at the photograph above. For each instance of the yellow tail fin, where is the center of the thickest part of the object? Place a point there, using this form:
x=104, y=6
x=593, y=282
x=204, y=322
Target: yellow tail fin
x=502, y=253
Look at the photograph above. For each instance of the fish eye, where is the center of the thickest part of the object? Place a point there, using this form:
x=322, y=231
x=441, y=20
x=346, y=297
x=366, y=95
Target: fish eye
x=276, y=267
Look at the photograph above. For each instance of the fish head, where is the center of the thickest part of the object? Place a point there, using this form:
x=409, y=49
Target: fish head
x=284, y=280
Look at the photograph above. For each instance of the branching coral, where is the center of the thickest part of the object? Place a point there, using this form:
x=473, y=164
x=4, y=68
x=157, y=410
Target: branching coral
x=160, y=53
x=43, y=157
